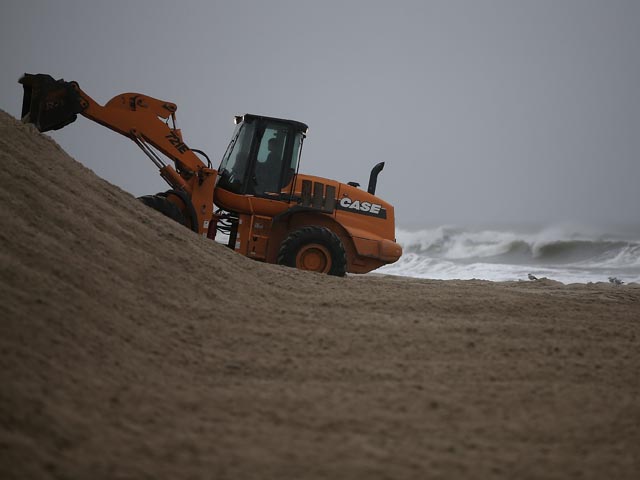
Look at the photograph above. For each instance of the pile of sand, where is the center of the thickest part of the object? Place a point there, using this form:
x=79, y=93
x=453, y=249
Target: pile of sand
x=132, y=348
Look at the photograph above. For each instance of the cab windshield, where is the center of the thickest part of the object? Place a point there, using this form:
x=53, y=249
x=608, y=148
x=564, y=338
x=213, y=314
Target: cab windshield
x=236, y=158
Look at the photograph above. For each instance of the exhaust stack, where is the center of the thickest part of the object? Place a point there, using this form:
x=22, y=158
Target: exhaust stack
x=49, y=104
x=373, y=178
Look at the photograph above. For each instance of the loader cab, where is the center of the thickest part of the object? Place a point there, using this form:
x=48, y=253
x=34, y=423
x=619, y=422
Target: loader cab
x=262, y=157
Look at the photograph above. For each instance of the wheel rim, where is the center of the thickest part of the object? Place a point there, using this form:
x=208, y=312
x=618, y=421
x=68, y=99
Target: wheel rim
x=314, y=257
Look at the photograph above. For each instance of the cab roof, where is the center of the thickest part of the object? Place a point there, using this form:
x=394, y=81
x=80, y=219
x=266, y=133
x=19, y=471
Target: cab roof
x=302, y=127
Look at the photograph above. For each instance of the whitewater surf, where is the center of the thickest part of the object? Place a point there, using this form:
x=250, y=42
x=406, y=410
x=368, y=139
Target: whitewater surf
x=560, y=253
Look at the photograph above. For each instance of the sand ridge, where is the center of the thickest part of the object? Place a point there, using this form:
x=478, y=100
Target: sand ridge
x=132, y=348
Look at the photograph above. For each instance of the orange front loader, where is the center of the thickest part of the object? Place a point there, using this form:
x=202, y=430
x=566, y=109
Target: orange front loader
x=257, y=197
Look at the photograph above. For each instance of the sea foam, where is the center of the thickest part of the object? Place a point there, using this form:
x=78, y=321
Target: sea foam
x=565, y=254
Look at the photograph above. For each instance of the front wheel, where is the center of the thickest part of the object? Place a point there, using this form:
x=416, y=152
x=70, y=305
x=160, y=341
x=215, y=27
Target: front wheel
x=166, y=207
x=316, y=249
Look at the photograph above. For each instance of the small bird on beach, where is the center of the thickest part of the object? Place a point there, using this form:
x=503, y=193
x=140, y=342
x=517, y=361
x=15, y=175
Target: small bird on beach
x=615, y=281
x=532, y=277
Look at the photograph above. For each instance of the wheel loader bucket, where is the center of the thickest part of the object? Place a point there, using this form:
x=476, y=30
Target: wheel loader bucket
x=49, y=104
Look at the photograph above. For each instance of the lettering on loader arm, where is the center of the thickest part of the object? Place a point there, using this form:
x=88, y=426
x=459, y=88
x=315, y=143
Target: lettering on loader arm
x=176, y=142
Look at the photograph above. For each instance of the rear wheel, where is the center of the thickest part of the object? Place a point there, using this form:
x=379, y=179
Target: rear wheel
x=161, y=204
x=316, y=249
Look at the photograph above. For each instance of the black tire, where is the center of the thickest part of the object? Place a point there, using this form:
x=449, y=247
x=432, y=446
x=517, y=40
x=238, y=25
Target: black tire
x=169, y=209
x=312, y=248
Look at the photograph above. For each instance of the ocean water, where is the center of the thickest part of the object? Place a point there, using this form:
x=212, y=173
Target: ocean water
x=562, y=253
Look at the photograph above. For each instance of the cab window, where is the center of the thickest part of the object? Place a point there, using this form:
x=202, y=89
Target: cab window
x=236, y=159
x=270, y=159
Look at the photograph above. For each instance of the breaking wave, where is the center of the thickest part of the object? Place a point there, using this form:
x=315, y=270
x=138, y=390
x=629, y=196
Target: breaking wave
x=560, y=253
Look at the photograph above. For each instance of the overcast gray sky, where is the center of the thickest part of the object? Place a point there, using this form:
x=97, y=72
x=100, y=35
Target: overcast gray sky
x=485, y=111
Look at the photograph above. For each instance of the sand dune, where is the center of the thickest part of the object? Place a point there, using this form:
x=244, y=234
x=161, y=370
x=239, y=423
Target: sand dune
x=132, y=348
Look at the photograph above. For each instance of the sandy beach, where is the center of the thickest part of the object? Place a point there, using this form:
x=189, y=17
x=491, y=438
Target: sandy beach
x=132, y=348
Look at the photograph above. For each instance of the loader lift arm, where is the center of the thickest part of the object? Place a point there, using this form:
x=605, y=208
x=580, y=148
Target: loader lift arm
x=52, y=104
